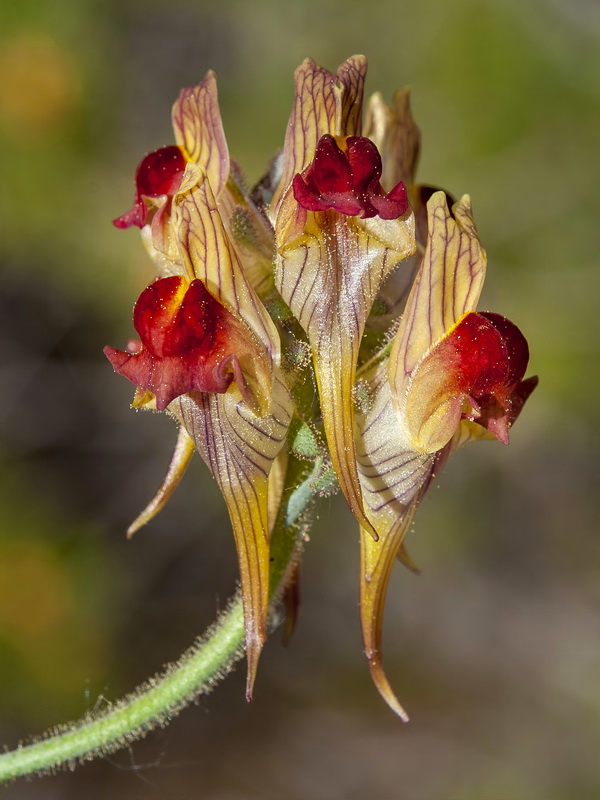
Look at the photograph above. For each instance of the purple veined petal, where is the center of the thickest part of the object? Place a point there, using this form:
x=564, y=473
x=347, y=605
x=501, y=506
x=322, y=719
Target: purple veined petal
x=199, y=130
x=238, y=440
x=328, y=270
x=447, y=286
x=240, y=448
x=394, y=479
x=323, y=103
x=209, y=254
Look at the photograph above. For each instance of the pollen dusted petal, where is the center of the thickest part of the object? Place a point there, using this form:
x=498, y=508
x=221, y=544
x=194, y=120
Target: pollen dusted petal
x=159, y=173
x=329, y=269
x=391, y=205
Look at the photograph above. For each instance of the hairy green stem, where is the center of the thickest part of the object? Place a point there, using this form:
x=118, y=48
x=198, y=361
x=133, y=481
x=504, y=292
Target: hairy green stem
x=208, y=660
x=151, y=704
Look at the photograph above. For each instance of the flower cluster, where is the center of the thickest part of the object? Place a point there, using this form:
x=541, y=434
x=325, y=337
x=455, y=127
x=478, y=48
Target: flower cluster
x=328, y=314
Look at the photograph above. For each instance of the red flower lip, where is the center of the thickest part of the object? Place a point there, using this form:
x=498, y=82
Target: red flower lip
x=484, y=359
x=501, y=394
x=348, y=182
x=159, y=173
x=185, y=342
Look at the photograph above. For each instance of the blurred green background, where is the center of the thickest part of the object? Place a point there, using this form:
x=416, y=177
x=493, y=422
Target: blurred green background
x=495, y=649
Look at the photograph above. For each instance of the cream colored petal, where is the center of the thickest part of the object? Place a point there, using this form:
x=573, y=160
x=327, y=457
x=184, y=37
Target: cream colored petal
x=323, y=103
x=391, y=471
x=208, y=254
x=447, y=286
x=328, y=270
x=396, y=135
x=199, y=130
x=238, y=441
x=239, y=448
x=158, y=237
x=391, y=299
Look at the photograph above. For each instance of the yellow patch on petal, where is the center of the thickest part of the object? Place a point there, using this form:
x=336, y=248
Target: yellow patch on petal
x=143, y=399
x=469, y=431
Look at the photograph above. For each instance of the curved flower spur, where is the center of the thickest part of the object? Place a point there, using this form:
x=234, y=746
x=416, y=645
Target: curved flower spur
x=334, y=273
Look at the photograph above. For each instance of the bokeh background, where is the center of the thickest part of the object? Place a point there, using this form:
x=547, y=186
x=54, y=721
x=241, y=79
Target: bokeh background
x=495, y=648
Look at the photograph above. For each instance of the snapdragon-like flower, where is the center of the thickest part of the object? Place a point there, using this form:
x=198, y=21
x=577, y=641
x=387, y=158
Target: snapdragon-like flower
x=211, y=355
x=337, y=272
x=452, y=375
x=200, y=140
x=334, y=247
